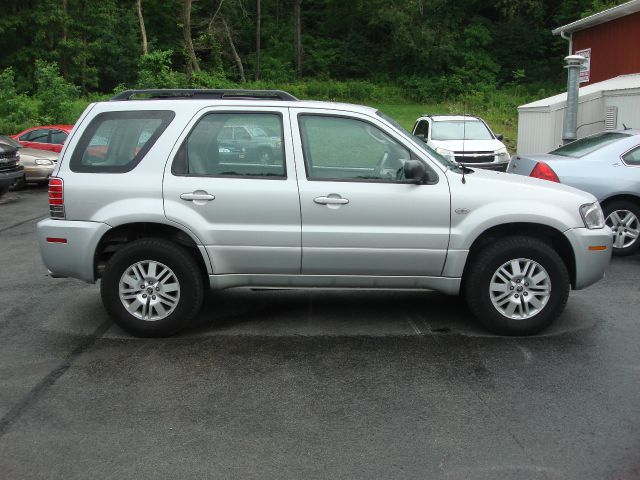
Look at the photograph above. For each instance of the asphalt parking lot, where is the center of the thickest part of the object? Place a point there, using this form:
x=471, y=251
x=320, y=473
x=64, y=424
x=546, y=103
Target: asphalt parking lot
x=306, y=385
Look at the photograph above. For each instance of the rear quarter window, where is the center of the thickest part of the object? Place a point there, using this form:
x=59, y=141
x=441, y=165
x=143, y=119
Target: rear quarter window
x=115, y=142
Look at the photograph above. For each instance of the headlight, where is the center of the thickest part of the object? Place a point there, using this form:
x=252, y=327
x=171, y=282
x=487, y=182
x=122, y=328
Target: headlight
x=503, y=155
x=592, y=215
x=446, y=153
x=43, y=161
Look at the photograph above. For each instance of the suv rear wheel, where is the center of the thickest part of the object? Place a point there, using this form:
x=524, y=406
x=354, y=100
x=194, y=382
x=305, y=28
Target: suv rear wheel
x=517, y=286
x=152, y=287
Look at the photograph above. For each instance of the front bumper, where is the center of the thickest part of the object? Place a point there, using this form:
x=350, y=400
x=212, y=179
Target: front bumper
x=38, y=173
x=75, y=257
x=591, y=262
x=496, y=166
x=8, y=178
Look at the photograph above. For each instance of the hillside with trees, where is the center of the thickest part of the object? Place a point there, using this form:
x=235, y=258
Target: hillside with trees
x=424, y=51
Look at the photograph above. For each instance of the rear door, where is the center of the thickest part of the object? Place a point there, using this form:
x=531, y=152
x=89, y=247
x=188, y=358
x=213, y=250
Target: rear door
x=246, y=214
x=57, y=139
x=359, y=216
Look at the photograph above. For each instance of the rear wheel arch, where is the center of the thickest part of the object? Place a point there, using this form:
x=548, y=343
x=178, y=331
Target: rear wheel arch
x=117, y=237
x=622, y=197
x=545, y=233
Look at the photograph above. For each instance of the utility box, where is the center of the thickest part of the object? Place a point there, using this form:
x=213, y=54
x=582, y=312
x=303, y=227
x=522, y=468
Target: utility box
x=540, y=122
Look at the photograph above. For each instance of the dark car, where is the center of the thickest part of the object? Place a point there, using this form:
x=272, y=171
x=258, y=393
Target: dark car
x=10, y=169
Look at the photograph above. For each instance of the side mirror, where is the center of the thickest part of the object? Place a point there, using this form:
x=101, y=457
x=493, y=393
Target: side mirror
x=415, y=171
x=499, y=137
x=420, y=136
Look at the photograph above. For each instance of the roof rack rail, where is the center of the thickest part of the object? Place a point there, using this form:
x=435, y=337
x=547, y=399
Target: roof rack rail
x=189, y=93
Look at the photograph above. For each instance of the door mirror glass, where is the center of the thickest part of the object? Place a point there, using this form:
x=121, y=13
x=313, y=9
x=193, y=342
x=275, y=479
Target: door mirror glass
x=415, y=171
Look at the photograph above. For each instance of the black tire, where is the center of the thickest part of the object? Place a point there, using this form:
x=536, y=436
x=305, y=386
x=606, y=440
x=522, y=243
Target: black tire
x=486, y=263
x=185, y=270
x=3, y=190
x=620, y=231
x=20, y=184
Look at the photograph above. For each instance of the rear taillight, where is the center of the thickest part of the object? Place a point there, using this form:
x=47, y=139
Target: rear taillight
x=545, y=172
x=56, y=197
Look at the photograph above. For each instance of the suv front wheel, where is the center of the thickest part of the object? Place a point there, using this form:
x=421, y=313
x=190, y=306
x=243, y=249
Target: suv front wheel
x=517, y=286
x=152, y=287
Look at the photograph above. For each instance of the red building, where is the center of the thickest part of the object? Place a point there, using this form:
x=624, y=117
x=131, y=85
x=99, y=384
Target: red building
x=609, y=39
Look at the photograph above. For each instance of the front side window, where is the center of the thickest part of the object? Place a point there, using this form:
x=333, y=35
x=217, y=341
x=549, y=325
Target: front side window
x=338, y=148
x=222, y=144
x=40, y=136
x=115, y=142
x=632, y=157
x=422, y=129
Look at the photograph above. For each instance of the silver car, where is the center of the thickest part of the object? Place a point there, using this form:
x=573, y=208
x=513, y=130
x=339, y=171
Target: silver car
x=143, y=200
x=607, y=165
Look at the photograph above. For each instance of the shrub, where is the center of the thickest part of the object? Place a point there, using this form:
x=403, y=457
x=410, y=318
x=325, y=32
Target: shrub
x=215, y=79
x=155, y=71
x=56, y=97
x=17, y=111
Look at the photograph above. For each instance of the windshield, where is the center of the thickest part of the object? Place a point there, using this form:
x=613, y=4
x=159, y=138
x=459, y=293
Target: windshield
x=590, y=144
x=459, y=130
x=9, y=141
x=435, y=155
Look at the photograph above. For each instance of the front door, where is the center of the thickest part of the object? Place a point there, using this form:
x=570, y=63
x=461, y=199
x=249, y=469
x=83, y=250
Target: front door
x=359, y=215
x=246, y=213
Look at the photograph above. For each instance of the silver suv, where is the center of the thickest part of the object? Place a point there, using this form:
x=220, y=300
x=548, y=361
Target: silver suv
x=144, y=199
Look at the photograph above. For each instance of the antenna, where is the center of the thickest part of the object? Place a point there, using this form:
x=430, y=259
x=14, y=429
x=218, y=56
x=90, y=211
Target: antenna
x=464, y=133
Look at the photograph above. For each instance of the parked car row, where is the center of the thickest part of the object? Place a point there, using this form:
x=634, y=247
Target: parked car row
x=30, y=156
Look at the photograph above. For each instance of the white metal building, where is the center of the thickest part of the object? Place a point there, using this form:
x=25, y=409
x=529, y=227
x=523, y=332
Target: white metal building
x=604, y=105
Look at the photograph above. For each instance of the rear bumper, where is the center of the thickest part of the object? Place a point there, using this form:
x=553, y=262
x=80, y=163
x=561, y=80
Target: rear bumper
x=591, y=265
x=75, y=256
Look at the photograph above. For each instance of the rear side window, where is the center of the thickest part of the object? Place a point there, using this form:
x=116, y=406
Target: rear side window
x=233, y=145
x=58, y=137
x=589, y=144
x=632, y=157
x=115, y=142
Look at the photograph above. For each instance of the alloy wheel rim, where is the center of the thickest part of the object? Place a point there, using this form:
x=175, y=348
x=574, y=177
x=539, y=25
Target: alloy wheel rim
x=625, y=227
x=520, y=288
x=149, y=290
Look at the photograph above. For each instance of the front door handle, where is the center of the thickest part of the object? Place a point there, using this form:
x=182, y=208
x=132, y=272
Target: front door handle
x=331, y=200
x=198, y=195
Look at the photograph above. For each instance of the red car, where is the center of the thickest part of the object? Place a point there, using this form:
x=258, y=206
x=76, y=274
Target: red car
x=48, y=137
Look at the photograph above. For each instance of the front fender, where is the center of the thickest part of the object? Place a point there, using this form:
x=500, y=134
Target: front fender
x=467, y=227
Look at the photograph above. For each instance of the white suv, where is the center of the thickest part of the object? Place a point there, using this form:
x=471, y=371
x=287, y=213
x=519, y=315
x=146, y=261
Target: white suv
x=145, y=199
x=463, y=139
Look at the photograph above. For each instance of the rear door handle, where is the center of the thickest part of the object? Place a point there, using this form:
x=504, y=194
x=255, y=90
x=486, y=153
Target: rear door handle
x=331, y=200
x=198, y=195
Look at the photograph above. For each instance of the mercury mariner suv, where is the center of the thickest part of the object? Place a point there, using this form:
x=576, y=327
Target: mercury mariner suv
x=145, y=199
